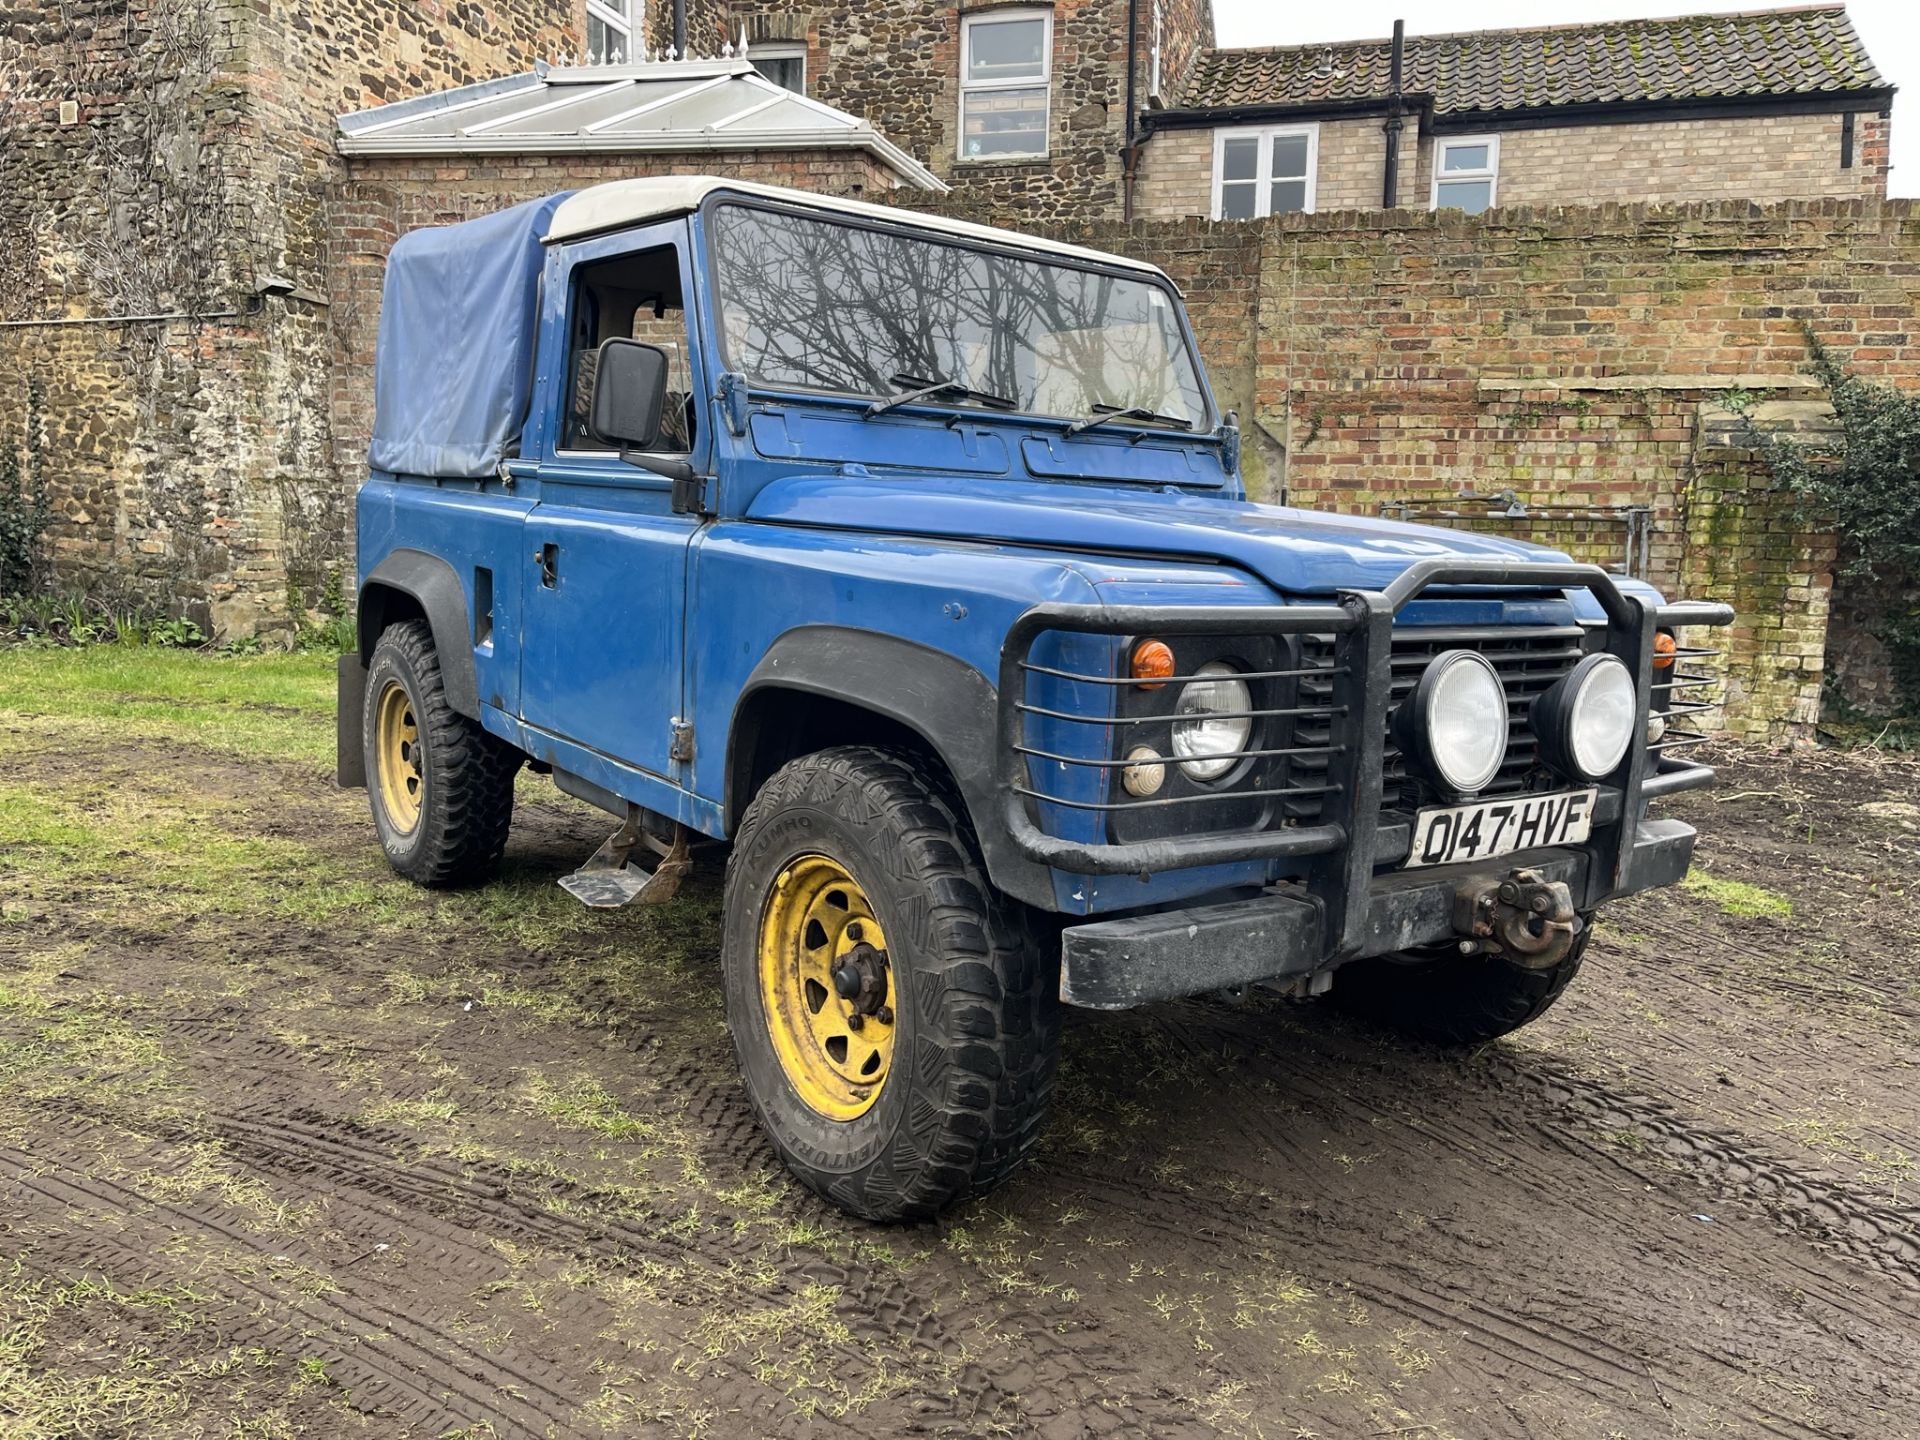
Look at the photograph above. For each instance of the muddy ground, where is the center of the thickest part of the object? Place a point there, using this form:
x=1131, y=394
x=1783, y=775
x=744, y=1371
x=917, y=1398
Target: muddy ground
x=287, y=1148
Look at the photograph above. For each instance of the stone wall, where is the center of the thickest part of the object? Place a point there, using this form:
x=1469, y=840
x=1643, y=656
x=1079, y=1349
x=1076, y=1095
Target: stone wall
x=1764, y=158
x=128, y=189
x=164, y=158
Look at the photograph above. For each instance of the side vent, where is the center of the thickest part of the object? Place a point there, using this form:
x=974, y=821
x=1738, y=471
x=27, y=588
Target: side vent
x=482, y=607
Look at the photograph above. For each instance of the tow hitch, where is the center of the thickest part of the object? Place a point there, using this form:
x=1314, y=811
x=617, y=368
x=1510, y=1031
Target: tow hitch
x=1528, y=919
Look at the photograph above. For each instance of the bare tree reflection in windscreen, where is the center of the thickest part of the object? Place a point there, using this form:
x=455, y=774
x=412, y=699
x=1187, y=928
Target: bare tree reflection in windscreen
x=819, y=305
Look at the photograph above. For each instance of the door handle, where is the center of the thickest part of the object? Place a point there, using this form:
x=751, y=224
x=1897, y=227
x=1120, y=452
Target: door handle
x=548, y=558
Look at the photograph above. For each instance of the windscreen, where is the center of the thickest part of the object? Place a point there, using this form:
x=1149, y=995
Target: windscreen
x=814, y=304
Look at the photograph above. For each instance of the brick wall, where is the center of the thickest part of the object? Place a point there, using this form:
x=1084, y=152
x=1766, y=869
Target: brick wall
x=1582, y=356
x=1176, y=170
x=1761, y=158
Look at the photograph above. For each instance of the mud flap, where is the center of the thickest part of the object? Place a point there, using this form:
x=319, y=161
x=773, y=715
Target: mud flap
x=610, y=879
x=350, y=757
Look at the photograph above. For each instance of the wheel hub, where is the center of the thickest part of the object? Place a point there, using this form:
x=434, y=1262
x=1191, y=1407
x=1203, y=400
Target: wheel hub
x=826, y=987
x=397, y=755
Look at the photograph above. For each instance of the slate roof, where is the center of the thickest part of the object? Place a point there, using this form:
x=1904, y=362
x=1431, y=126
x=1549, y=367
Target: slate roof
x=1803, y=51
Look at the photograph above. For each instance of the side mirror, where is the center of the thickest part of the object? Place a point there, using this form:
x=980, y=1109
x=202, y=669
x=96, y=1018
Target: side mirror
x=629, y=393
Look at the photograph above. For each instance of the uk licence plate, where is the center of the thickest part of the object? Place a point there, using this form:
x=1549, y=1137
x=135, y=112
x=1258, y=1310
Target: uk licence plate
x=1447, y=835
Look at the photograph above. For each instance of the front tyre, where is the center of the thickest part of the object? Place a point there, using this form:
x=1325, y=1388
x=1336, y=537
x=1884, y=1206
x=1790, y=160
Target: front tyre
x=441, y=786
x=896, y=1023
x=1454, y=999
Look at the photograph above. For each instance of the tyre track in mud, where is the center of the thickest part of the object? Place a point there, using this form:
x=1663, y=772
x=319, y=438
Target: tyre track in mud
x=1884, y=1236
x=439, y=1216
x=416, y=1385
x=1509, y=1116
x=338, y=1158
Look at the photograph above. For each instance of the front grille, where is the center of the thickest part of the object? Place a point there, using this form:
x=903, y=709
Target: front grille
x=1528, y=659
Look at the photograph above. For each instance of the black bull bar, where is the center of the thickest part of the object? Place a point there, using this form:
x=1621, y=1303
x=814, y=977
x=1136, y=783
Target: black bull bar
x=1348, y=840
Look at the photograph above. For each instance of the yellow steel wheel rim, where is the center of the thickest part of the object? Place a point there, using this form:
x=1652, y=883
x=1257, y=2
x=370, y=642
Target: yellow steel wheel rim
x=397, y=750
x=836, y=1051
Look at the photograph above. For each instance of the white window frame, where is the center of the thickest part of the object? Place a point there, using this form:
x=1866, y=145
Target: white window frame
x=1043, y=82
x=611, y=17
x=1491, y=174
x=781, y=50
x=1263, y=178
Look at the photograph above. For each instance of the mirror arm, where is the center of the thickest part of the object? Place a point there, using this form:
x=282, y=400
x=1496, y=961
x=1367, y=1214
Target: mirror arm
x=671, y=469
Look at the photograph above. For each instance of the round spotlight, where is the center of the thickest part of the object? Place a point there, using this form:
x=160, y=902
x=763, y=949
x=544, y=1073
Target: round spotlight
x=1213, y=725
x=1588, y=719
x=1454, y=724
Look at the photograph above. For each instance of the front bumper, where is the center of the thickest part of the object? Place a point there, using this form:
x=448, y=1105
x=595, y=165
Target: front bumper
x=1282, y=933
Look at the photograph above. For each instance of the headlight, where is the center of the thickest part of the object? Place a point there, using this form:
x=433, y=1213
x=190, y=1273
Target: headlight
x=1589, y=717
x=1213, y=725
x=1455, y=722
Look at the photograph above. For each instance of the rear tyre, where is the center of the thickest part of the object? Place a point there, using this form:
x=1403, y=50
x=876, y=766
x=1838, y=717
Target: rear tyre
x=895, y=1019
x=1453, y=999
x=441, y=787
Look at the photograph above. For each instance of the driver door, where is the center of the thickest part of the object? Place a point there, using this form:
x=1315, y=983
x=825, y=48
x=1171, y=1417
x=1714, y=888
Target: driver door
x=603, y=646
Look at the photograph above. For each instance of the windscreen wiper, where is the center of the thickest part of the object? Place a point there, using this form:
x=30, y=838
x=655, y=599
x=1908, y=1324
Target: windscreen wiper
x=926, y=389
x=1107, y=414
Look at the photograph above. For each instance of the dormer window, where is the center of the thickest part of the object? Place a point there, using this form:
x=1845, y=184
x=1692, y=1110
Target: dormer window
x=1006, y=71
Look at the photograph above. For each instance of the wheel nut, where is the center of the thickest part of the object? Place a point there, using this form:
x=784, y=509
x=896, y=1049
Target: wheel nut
x=856, y=1020
x=884, y=1015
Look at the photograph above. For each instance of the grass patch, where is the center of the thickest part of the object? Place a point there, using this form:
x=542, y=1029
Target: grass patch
x=265, y=705
x=1737, y=897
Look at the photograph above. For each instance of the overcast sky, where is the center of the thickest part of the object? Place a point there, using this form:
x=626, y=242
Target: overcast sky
x=1891, y=29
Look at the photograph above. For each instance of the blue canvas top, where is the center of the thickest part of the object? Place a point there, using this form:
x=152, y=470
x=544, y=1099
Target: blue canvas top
x=453, y=373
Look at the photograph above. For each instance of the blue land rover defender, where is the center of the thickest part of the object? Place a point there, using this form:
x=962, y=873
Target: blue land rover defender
x=911, y=558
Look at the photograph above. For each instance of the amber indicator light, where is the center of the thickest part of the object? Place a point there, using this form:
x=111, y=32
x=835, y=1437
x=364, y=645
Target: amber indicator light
x=1663, y=648
x=1152, y=663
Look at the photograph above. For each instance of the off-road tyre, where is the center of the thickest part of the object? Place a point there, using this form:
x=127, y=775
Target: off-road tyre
x=976, y=988
x=466, y=775
x=1453, y=999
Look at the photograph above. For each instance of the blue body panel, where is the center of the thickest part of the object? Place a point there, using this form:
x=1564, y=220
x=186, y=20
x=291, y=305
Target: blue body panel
x=933, y=524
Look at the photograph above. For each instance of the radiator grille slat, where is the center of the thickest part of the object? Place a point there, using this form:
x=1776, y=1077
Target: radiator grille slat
x=1528, y=661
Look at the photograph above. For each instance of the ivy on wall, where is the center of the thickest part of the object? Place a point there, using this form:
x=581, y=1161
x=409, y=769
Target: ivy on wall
x=24, y=506
x=1864, y=481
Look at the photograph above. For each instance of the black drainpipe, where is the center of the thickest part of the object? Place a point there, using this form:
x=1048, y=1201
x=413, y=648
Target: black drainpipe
x=1130, y=154
x=680, y=28
x=1390, y=187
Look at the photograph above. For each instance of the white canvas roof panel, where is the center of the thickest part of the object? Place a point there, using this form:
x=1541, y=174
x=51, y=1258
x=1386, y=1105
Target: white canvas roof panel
x=620, y=203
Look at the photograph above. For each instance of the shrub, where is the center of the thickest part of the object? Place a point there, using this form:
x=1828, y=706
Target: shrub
x=1867, y=487
x=24, y=507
